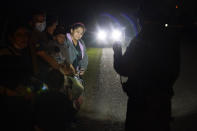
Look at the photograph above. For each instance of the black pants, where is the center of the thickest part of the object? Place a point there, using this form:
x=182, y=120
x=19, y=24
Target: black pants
x=149, y=113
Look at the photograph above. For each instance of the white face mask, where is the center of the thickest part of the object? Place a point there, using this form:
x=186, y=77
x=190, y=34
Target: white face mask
x=40, y=26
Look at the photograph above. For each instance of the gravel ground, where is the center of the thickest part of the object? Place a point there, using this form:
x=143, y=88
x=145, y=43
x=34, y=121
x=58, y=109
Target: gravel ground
x=104, y=107
x=184, y=103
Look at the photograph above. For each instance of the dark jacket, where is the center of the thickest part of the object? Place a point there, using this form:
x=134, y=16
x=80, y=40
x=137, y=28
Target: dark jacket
x=15, y=66
x=151, y=61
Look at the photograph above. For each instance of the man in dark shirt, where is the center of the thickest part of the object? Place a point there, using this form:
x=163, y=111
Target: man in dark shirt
x=15, y=71
x=151, y=63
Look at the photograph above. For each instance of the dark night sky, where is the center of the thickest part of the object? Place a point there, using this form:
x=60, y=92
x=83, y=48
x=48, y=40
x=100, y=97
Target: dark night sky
x=85, y=10
x=81, y=9
x=68, y=11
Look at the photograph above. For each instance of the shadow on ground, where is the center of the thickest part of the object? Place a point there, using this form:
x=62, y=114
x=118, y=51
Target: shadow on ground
x=185, y=123
x=91, y=124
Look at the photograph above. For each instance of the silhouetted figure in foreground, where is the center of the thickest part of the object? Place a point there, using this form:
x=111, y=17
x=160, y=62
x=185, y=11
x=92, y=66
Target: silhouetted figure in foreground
x=151, y=63
x=15, y=68
x=52, y=109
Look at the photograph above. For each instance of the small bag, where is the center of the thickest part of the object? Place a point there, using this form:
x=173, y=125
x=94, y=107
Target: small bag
x=76, y=86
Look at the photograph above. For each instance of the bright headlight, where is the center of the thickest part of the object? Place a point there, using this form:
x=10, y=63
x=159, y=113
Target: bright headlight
x=101, y=35
x=116, y=35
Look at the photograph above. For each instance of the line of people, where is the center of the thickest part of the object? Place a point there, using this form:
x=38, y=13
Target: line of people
x=41, y=69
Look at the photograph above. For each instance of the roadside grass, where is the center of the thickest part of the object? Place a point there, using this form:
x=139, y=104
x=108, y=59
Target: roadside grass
x=94, y=56
x=91, y=77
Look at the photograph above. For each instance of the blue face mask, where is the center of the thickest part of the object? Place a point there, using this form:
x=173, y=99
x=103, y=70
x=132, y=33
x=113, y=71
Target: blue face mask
x=40, y=26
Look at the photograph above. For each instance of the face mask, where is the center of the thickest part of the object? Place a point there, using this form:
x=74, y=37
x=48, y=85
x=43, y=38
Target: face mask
x=40, y=26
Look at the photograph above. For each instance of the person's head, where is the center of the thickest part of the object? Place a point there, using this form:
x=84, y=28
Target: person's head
x=77, y=30
x=38, y=20
x=51, y=26
x=60, y=34
x=18, y=36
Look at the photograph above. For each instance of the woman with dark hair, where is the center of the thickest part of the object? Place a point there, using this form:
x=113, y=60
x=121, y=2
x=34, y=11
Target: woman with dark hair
x=77, y=55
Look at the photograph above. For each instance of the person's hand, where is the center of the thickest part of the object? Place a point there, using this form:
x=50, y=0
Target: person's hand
x=63, y=70
x=72, y=69
x=117, y=48
x=82, y=71
x=66, y=70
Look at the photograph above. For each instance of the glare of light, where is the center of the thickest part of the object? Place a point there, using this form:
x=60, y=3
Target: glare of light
x=166, y=25
x=101, y=35
x=177, y=6
x=116, y=35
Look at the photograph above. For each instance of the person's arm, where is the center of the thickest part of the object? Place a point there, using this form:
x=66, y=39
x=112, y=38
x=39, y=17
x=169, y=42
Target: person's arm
x=48, y=59
x=126, y=63
x=119, y=60
x=72, y=69
x=66, y=70
x=84, y=62
x=68, y=52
